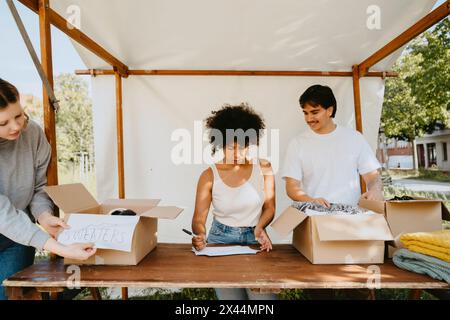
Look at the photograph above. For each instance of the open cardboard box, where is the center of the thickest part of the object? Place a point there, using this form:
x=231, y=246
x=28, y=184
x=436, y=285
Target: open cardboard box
x=407, y=216
x=336, y=239
x=75, y=199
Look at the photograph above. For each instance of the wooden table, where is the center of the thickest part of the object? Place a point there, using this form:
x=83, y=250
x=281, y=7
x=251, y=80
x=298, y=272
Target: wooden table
x=175, y=266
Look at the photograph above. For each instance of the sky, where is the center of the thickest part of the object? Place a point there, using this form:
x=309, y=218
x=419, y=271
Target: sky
x=16, y=65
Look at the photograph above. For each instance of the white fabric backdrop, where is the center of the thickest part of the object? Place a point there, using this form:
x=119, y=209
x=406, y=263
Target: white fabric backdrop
x=155, y=107
x=215, y=34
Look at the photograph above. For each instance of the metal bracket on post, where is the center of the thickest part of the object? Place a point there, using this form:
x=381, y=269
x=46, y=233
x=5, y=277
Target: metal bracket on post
x=52, y=98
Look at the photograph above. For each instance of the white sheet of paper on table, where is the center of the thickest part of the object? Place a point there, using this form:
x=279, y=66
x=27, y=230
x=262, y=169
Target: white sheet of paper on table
x=107, y=232
x=224, y=251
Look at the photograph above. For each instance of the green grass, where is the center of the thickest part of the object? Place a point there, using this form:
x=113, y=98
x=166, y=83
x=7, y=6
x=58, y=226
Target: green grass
x=421, y=174
x=434, y=175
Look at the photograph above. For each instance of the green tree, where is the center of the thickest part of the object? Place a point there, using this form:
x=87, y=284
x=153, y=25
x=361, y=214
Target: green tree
x=419, y=99
x=402, y=117
x=74, y=119
x=430, y=83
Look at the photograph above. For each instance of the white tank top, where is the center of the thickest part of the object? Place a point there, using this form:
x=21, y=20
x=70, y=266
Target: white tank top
x=240, y=206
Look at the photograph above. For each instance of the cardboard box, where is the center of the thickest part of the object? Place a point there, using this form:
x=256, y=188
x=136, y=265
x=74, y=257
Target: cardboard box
x=336, y=239
x=406, y=216
x=74, y=198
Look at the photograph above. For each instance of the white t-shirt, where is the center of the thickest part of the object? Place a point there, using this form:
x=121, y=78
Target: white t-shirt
x=328, y=165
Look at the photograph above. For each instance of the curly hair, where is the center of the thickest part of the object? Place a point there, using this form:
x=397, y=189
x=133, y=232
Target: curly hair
x=237, y=123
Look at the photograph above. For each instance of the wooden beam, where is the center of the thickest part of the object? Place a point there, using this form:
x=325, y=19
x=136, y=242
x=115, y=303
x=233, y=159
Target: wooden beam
x=74, y=33
x=422, y=25
x=47, y=65
x=119, y=125
x=101, y=72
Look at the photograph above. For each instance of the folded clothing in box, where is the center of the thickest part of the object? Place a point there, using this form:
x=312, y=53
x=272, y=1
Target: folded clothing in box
x=335, y=208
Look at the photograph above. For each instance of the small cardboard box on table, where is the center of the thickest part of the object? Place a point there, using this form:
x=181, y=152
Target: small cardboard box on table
x=409, y=216
x=336, y=239
x=75, y=199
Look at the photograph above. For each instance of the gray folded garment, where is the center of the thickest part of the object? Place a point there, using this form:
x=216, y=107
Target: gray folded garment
x=423, y=264
x=335, y=208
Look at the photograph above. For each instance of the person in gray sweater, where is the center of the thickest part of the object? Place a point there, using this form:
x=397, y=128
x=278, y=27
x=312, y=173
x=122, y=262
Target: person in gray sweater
x=24, y=157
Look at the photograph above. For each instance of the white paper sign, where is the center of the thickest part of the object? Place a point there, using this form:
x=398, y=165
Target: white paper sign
x=224, y=251
x=107, y=232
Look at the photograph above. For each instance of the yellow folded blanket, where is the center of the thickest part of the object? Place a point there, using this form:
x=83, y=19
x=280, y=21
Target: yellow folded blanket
x=436, y=244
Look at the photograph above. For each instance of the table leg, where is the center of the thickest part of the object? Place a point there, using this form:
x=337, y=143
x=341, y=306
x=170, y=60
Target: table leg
x=415, y=294
x=124, y=293
x=95, y=294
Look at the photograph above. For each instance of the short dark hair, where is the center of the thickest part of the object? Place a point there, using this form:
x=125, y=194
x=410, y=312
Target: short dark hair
x=318, y=95
x=234, y=117
x=8, y=94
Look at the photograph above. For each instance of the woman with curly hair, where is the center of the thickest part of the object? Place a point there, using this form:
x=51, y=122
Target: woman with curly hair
x=241, y=190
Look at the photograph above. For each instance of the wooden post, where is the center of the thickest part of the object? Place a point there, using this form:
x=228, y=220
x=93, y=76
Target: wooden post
x=120, y=159
x=357, y=99
x=119, y=125
x=49, y=112
x=358, y=117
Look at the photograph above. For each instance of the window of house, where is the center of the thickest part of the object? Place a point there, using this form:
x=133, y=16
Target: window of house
x=444, y=151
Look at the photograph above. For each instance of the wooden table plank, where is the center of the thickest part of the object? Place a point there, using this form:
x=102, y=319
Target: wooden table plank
x=175, y=266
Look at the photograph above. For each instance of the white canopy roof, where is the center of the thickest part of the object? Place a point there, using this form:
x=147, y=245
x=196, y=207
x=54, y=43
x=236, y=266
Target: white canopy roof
x=253, y=34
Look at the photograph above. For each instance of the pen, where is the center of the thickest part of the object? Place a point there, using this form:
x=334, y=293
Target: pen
x=191, y=234
x=188, y=232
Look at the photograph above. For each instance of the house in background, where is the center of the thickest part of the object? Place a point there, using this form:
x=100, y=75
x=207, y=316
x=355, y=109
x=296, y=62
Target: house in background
x=394, y=153
x=432, y=150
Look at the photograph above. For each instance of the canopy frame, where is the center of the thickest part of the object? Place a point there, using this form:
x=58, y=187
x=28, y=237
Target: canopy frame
x=48, y=17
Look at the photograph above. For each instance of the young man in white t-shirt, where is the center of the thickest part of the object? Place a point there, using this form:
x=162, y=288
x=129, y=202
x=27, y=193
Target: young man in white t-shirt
x=323, y=164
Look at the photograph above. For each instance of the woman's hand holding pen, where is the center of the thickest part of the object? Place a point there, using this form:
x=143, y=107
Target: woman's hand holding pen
x=199, y=241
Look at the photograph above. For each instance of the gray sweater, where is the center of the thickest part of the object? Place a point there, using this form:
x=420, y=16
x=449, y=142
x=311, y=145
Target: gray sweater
x=23, y=169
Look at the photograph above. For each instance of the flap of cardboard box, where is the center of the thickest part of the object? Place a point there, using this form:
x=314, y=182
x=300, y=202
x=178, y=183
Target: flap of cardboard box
x=288, y=221
x=71, y=197
x=380, y=206
x=352, y=227
x=161, y=212
x=374, y=205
